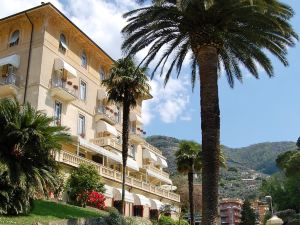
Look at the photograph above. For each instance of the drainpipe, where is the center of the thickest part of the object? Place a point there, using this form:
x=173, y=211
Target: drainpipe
x=29, y=60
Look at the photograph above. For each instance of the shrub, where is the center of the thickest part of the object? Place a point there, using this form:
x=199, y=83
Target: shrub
x=137, y=221
x=166, y=220
x=14, y=199
x=114, y=218
x=83, y=179
x=92, y=198
x=182, y=222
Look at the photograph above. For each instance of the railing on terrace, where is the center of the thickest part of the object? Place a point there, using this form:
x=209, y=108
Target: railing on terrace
x=101, y=109
x=107, y=141
x=156, y=170
x=74, y=160
x=11, y=78
x=60, y=83
x=151, y=147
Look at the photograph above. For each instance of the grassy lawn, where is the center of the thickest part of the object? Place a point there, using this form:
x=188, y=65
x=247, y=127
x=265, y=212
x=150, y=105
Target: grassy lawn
x=45, y=211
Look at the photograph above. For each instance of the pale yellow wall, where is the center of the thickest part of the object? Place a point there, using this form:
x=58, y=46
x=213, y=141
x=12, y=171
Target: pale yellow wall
x=45, y=49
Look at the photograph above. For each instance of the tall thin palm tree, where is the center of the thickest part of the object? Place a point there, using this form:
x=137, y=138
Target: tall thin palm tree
x=188, y=161
x=27, y=143
x=126, y=85
x=228, y=34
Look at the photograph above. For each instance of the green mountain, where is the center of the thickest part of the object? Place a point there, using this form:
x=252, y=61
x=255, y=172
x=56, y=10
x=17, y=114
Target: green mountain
x=247, y=166
x=259, y=157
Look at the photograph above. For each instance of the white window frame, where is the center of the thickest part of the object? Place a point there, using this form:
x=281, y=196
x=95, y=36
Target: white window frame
x=14, y=38
x=63, y=46
x=56, y=102
x=101, y=74
x=81, y=127
x=84, y=60
x=82, y=95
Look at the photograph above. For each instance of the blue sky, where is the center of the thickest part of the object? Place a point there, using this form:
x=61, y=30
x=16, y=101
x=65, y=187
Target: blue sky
x=255, y=111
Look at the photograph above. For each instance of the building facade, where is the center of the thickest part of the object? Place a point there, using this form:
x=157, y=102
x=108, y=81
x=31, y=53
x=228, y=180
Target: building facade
x=49, y=62
x=260, y=208
x=230, y=211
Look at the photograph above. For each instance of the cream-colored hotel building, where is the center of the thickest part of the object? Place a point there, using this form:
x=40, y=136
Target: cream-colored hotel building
x=49, y=62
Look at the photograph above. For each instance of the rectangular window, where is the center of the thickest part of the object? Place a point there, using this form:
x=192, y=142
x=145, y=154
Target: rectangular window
x=81, y=126
x=82, y=90
x=57, y=113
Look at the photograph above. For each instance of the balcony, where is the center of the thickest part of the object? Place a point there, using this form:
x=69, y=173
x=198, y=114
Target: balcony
x=75, y=161
x=156, y=170
x=104, y=113
x=64, y=90
x=106, y=141
x=136, y=136
x=8, y=85
x=151, y=147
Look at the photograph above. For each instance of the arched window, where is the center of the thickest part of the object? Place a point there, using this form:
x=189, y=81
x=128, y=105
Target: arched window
x=14, y=39
x=101, y=74
x=63, y=43
x=84, y=60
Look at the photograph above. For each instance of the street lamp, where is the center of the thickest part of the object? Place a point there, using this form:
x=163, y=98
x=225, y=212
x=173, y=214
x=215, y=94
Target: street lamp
x=271, y=203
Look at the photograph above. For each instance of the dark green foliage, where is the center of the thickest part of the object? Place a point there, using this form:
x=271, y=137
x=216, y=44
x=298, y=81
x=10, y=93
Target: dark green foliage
x=166, y=220
x=114, y=217
x=248, y=214
x=287, y=215
x=284, y=188
x=228, y=25
x=188, y=156
x=14, y=199
x=27, y=143
x=84, y=178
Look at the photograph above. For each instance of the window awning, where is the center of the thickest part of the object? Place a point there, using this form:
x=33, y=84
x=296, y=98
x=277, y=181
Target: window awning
x=12, y=60
x=100, y=150
x=102, y=126
x=109, y=191
x=162, y=162
x=102, y=94
x=118, y=195
x=156, y=204
x=131, y=163
x=147, y=154
x=135, y=117
x=158, y=176
x=141, y=200
x=60, y=64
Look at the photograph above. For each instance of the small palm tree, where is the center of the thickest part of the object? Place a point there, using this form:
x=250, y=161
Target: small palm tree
x=126, y=85
x=188, y=160
x=225, y=34
x=27, y=144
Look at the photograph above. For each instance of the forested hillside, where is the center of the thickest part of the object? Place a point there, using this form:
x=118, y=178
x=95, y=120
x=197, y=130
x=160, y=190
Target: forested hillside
x=260, y=157
x=246, y=167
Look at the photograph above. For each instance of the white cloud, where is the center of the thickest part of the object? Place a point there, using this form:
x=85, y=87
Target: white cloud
x=170, y=102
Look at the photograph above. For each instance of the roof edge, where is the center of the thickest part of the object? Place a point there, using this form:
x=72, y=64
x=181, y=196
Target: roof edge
x=64, y=16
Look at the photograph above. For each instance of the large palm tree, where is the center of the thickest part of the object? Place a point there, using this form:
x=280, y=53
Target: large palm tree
x=27, y=143
x=126, y=85
x=228, y=34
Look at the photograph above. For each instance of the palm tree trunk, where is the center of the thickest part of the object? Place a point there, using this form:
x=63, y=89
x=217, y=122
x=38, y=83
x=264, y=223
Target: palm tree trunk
x=191, y=193
x=125, y=136
x=210, y=124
